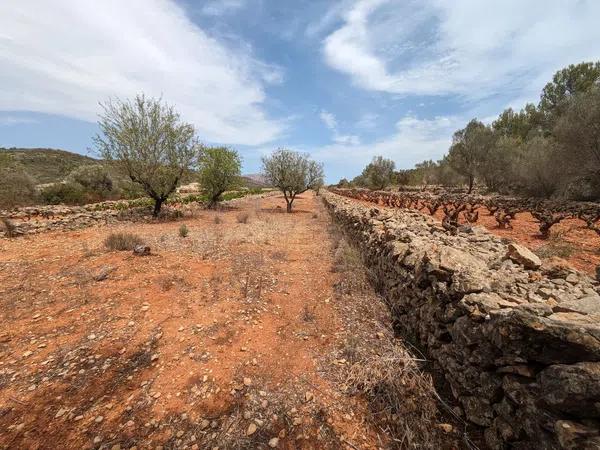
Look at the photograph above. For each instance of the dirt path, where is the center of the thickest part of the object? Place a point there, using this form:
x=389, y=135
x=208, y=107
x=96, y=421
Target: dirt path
x=232, y=337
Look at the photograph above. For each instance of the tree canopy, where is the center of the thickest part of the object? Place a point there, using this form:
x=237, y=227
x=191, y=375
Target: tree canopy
x=292, y=173
x=219, y=169
x=151, y=143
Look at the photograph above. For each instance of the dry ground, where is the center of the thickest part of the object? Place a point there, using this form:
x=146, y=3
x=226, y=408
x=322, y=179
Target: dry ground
x=245, y=334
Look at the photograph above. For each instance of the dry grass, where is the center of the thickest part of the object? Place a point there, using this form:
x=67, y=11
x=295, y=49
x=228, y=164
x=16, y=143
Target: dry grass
x=218, y=220
x=401, y=398
x=556, y=246
x=9, y=227
x=122, y=241
x=183, y=230
x=243, y=217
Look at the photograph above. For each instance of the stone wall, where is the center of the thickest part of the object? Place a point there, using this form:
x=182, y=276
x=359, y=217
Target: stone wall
x=519, y=344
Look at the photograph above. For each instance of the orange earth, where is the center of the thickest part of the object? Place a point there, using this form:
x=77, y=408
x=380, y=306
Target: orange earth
x=227, y=338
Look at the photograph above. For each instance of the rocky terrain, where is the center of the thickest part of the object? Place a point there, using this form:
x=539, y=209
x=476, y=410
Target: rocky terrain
x=517, y=341
x=258, y=329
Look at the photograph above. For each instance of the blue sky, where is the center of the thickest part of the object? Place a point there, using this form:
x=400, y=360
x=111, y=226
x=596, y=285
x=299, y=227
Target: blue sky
x=342, y=80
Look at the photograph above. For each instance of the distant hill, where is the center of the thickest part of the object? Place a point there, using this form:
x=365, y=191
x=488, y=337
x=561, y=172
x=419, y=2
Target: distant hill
x=47, y=165
x=255, y=180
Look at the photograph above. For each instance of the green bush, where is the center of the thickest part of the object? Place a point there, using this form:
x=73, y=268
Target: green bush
x=17, y=188
x=66, y=193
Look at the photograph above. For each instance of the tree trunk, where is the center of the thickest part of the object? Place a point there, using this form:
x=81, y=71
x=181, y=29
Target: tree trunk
x=471, y=180
x=157, y=205
x=289, y=205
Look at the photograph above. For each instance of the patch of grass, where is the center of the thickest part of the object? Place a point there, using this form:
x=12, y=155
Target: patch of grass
x=556, y=247
x=243, y=217
x=122, y=241
x=10, y=229
x=401, y=398
x=183, y=230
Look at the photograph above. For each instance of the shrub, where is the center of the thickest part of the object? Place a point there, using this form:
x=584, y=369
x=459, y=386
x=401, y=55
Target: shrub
x=67, y=193
x=17, y=188
x=183, y=230
x=9, y=227
x=122, y=241
x=217, y=220
x=95, y=179
x=243, y=217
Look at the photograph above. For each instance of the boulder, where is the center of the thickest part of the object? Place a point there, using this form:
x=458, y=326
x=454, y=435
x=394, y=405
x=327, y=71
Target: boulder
x=523, y=256
x=141, y=250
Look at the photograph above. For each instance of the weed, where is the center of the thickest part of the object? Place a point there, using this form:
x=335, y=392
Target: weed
x=183, y=230
x=218, y=220
x=10, y=229
x=308, y=314
x=243, y=217
x=400, y=396
x=122, y=241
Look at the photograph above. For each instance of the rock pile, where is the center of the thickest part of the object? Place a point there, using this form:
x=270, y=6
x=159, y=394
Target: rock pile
x=519, y=344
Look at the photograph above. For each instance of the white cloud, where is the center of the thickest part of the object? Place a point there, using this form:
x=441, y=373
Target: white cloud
x=413, y=140
x=331, y=122
x=328, y=119
x=466, y=47
x=64, y=56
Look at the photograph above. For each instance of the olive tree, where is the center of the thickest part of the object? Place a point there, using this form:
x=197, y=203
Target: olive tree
x=219, y=169
x=292, y=173
x=379, y=173
x=470, y=148
x=148, y=140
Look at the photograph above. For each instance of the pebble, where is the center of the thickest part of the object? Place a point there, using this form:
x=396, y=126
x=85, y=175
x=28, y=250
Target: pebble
x=274, y=442
x=251, y=429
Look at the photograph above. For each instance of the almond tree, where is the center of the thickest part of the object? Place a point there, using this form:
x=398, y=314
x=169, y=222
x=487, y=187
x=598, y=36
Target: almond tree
x=292, y=173
x=148, y=140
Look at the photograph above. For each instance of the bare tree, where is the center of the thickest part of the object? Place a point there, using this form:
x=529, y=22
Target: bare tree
x=149, y=141
x=292, y=173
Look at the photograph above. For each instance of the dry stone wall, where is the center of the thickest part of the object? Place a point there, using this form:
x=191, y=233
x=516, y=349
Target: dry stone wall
x=519, y=344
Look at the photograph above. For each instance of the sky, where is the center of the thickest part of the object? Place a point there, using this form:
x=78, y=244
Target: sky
x=341, y=80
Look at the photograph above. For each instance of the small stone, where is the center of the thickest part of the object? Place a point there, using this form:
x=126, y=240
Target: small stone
x=251, y=429
x=97, y=440
x=445, y=427
x=204, y=424
x=27, y=354
x=247, y=382
x=308, y=396
x=141, y=250
x=274, y=442
x=99, y=419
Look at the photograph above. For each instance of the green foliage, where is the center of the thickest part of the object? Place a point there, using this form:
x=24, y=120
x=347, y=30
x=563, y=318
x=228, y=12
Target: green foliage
x=378, y=174
x=219, y=169
x=292, y=173
x=94, y=178
x=64, y=193
x=17, y=188
x=149, y=142
x=470, y=147
x=566, y=83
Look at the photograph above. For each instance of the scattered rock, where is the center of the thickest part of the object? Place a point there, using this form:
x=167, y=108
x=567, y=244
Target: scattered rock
x=523, y=256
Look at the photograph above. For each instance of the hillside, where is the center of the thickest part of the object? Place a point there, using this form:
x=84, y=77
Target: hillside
x=47, y=165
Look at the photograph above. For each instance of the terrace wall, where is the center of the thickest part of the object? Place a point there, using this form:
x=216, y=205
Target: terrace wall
x=519, y=347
